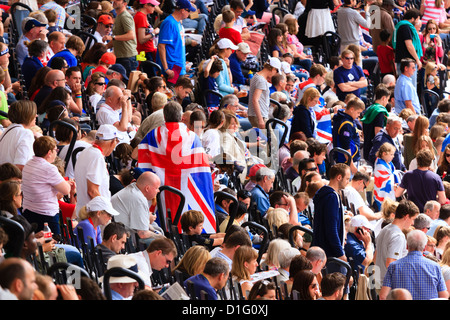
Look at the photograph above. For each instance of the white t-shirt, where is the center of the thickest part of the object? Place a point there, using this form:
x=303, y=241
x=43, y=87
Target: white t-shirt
x=106, y=115
x=144, y=266
x=354, y=197
x=16, y=145
x=211, y=142
x=39, y=177
x=90, y=166
x=133, y=207
x=63, y=153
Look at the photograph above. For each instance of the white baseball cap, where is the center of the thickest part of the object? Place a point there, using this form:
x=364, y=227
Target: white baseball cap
x=286, y=67
x=100, y=203
x=244, y=47
x=275, y=62
x=359, y=221
x=226, y=43
x=106, y=132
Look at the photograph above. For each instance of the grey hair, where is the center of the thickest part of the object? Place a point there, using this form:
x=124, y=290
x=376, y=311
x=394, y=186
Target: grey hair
x=422, y=221
x=392, y=119
x=429, y=205
x=264, y=172
x=315, y=253
x=172, y=112
x=285, y=256
x=416, y=240
x=228, y=99
x=216, y=266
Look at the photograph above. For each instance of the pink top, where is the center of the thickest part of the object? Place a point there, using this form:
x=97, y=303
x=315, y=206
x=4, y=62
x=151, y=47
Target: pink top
x=292, y=39
x=38, y=180
x=431, y=12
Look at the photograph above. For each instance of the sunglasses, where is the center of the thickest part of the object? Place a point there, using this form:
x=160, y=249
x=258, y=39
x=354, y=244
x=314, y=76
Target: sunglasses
x=100, y=83
x=349, y=58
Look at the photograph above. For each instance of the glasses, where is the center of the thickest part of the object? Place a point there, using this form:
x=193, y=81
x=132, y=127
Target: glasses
x=447, y=155
x=108, y=26
x=167, y=260
x=284, y=204
x=312, y=169
x=101, y=83
x=349, y=58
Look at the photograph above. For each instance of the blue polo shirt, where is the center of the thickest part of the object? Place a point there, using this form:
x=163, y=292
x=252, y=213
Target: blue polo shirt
x=172, y=35
x=68, y=56
x=404, y=91
x=261, y=198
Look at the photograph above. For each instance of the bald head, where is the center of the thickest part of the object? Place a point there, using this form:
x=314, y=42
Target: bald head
x=148, y=183
x=399, y=294
x=55, y=78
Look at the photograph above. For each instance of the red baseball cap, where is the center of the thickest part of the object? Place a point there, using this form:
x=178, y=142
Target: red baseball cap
x=108, y=58
x=254, y=169
x=105, y=19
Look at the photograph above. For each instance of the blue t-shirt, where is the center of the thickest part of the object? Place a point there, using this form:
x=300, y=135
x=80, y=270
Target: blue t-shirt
x=201, y=283
x=172, y=35
x=212, y=99
x=342, y=75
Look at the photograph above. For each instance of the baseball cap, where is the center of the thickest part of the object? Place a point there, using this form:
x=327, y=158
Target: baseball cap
x=275, y=62
x=105, y=19
x=100, y=203
x=153, y=2
x=254, y=169
x=32, y=23
x=120, y=69
x=108, y=58
x=185, y=4
x=244, y=47
x=226, y=43
x=106, y=132
x=286, y=67
x=359, y=221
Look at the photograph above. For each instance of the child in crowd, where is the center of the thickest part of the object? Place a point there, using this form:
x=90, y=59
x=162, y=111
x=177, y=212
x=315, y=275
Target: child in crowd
x=228, y=31
x=384, y=177
x=211, y=73
x=192, y=225
x=386, y=54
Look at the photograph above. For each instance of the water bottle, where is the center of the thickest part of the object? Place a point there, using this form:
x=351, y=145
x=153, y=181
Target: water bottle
x=250, y=74
x=47, y=233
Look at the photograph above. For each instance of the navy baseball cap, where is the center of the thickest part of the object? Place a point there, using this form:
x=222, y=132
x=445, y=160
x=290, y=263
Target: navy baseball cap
x=185, y=4
x=32, y=23
x=120, y=69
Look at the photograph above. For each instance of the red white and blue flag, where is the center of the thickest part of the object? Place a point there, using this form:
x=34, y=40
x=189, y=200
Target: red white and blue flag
x=323, y=124
x=384, y=180
x=175, y=154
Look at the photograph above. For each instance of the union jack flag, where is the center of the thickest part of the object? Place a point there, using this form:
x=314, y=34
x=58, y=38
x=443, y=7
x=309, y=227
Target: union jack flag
x=175, y=154
x=384, y=180
x=323, y=124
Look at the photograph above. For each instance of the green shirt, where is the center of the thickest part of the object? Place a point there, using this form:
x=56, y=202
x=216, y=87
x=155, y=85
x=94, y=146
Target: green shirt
x=3, y=104
x=124, y=49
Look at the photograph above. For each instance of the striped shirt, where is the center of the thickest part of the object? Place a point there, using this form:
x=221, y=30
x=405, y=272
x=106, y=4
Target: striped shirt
x=432, y=12
x=419, y=275
x=38, y=180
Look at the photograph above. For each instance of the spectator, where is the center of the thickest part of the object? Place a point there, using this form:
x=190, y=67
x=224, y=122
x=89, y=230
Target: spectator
x=192, y=225
x=386, y=23
x=399, y=294
x=349, y=78
x=276, y=246
x=244, y=266
x=232, y=241
x=122, y=288
x=104, y=29
x=145, y=33
x=16, y=142
x=349, y=22
x=236, y=60
x=345, y=135
x=192, y=263
x=316, y=79
x=442, y=220
x=263, y=290
x=431, y=185
x=405, y=91
x=171, y=50
x=158, y=255
x=53, y=79
x=41, y=183
x=406, y=43
x=96, y=214
x=442, y=236
x=422, y=222
x=123, y=39
x=74, y=48
x=332, y=286
x=132, y=203
x=260, y=193
x=37, y=49
x=391, y=241
x=305, y=283
x=375, y=117
x=359, y=246
x=353, y=192
x=228, y=31
x=259, y=99
x=213, y=277
x=58, y=6
x=10, y=198
x=114, y=239
x=32, y=30
x=91, y=175
x=284, y=259
x=304, y=118
x=389, y=134
x=420, y=276
x=18, y=276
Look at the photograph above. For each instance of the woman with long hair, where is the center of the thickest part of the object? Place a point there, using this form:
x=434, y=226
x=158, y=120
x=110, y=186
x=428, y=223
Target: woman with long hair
x=410, y=139
x=244, y=266
x=303, y=117
x=193, y=262
x=306, y=284
x=444, y=163
x=96, y=88
x=10, y=198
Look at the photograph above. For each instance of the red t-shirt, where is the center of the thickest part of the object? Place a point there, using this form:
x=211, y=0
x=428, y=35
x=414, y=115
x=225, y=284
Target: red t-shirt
x=231, y=34
x=140, y=21
x=385, y=56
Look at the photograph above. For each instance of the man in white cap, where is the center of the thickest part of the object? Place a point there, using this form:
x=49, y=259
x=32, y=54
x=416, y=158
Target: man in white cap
x=91, y=174
x=122, y=288
x=236, y=59
x=359, y=245
x=133, y=203
x=259, y=94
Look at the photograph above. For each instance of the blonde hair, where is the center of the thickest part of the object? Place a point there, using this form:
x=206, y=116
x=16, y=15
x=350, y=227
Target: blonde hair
x=388, y=208
x=385, y=147
x=309, y=94
x=159, y=100
x=243, y=254
x=275, y=247
x=84, y=214
x=276, y=217
x=194, y=260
